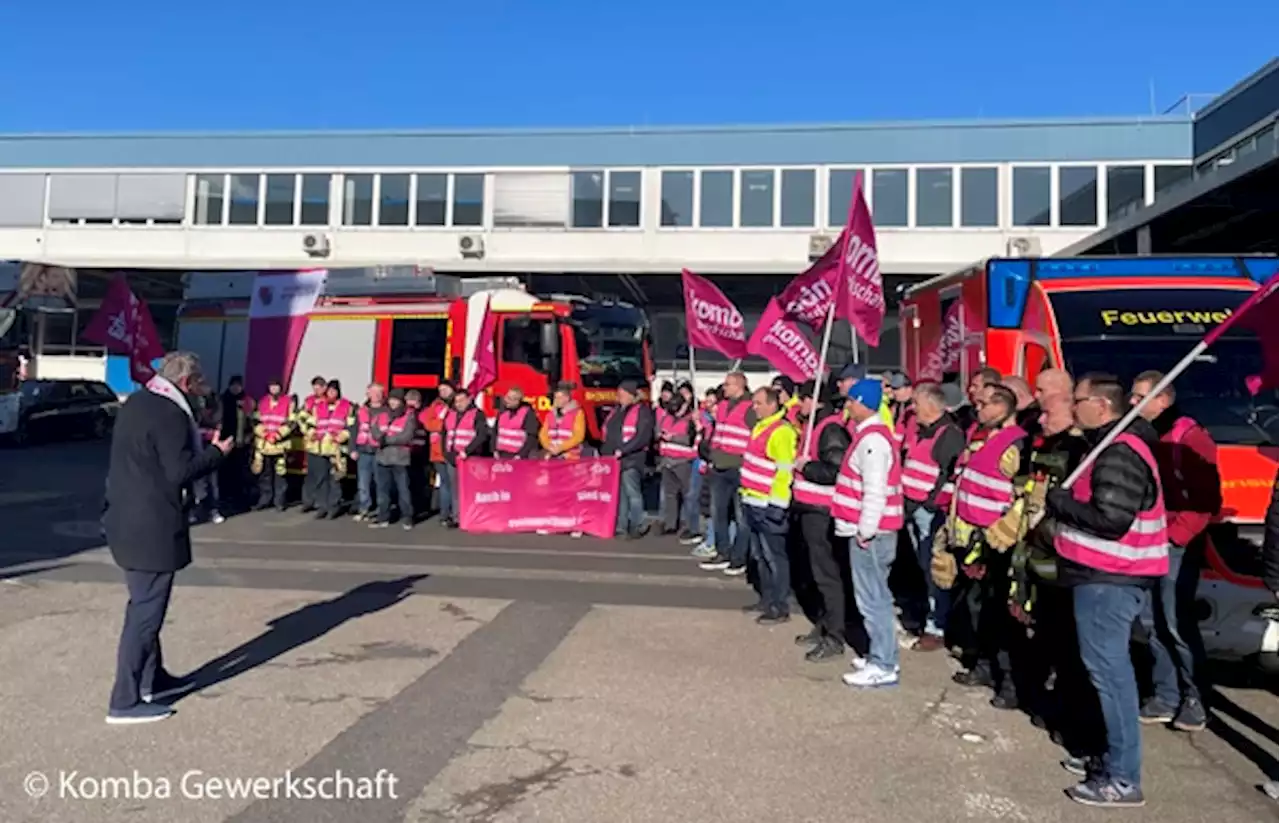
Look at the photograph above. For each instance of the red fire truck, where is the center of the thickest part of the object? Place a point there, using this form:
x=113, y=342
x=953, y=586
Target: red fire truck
x=406, y=329
x=1124, y=316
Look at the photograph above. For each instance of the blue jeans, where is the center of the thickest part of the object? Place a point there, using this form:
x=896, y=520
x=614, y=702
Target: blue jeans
x=870, y=572
x=692, y=509
x=397, y=476
x=630, y=502
x=444, y=498
x=921, y=527
x=366, y=467
x=1104, y=622
x=449, y=491
x=726, y=508
x=767, y=528
x=1175, y=640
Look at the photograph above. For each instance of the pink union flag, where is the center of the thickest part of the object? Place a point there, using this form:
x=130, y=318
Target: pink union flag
x=123, y=325
x=783, y=344
x=945, y=355
x=712, y=321
x=809, y=297
x=486, y=363
x=860, y=299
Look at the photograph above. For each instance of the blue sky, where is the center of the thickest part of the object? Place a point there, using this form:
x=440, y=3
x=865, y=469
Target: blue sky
x=89, y=65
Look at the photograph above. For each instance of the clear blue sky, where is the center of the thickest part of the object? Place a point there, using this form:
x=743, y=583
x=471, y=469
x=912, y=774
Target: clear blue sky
x=89, y=65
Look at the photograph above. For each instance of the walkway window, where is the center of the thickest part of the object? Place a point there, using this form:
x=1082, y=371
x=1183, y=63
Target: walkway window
x=393, y=200
x=1031, y=196
x=21, y=200
x=677, y=199
x=279, y=206
x=756, y=192
x=315, y=199
x=624, y=199
x=839, y=193
x=1169, y=178
x=979, y=197
x=357, y=200
x=1126, y=190
x=468, y=199
x=244, y=200
x=1078, y=196
x=433, y=200
x=210, y=192
x=588, y=199
x=889, y=197
x=716, y=202
x=799, y=187
x=933, y=198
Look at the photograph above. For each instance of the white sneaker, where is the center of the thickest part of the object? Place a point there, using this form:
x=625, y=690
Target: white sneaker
x=217, y=518
x=860, y=663
x=871, y=676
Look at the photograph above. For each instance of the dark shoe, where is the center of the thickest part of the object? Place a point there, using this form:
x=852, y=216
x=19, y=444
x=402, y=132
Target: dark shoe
x=814, y=635
x=322, y=516
x=1086, y=767
x=716, y=564
x=1154, y=712
x=1005, y=701
x=736, y=571
x=975, y=678
x=141, y=713
x=1109, y=793
x=1191, y=717
x=754, y=608
x=308, y=509
x=167, y=686
x=828, y=648
x=688, y=538
x=928, y=643
x=773, y=618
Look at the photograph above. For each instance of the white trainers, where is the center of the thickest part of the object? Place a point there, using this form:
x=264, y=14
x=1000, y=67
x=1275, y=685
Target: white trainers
x=871, y=676
x=217, y=518
x=860, y=663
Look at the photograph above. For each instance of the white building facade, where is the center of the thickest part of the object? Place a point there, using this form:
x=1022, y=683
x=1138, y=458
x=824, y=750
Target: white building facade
x=732, y=201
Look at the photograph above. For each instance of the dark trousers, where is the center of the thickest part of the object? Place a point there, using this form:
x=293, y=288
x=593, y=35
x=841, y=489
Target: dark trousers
x=829, y=565
x=398, y=476
x=138, y=659
x=1071, y=708
x=1176, y=646
x=420, y=480
x=326, y=490
x=272, y=482
x=448, y=491
x=630, y=502
x=726, y=505
x=986, y=603
x=675, y=489
x=317, y=467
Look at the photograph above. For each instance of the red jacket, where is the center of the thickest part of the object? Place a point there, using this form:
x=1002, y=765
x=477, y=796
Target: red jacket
x=1188, y=460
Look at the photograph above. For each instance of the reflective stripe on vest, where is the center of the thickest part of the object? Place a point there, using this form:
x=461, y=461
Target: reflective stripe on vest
x=983, y=493
x=628, y=422
x=846, y=503
x=806, y=491
x=332, y=419
x=560, y=428
x=511, y=434
x=392, y=426
x=920, y=472
x=273, y=414
x=660, y=416
x=460, y=430
x=676, y=427
x=731, y=434
x=1143, y=551
x=758, y=469
x=420, y=433
x=364, y=417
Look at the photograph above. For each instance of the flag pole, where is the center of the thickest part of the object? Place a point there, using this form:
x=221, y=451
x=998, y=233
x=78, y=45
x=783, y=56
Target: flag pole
x=693, y=375
x=817, y=378
x=853, y=342
x=1133, y=412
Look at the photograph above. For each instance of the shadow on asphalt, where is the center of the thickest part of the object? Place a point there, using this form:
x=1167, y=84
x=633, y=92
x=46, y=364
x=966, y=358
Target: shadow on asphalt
x=51, y=499
x=300, y=627
x=1223, y=706
x=41, y=569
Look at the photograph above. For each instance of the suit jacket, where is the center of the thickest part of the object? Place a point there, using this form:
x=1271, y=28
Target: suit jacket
x=153, y=464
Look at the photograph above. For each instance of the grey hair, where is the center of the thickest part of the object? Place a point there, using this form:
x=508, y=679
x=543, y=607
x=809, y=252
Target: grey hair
x=933, y=393
x=177, y=366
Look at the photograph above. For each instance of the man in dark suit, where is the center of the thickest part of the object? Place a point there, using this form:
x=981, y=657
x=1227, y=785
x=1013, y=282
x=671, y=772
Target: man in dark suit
x=156, y=454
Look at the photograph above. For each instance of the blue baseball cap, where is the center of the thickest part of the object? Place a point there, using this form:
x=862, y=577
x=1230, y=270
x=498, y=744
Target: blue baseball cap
x=867, y=392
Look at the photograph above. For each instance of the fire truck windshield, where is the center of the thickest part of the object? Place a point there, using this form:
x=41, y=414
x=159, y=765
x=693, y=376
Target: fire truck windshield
x=611, y=342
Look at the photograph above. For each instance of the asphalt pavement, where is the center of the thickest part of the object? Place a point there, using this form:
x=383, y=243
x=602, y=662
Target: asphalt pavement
x=501, y=678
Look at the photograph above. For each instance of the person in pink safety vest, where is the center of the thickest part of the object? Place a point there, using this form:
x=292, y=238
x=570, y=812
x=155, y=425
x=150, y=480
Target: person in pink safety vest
x=677, y=450
x=868, y=509
x=275, y=422
x=1112, y=542
x=466, y=434
x=734, y=419
x=516, y=431
x=627, y=435
x=364, y=447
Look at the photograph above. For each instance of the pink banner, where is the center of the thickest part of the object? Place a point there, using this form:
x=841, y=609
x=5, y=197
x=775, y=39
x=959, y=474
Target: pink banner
x=860, y=299
x=561, y=496
x=712, y=321
x=783, y=344
x=123, y=325
x=809, y=297
x=945, y=355
x=278, y=311
x=486, y=365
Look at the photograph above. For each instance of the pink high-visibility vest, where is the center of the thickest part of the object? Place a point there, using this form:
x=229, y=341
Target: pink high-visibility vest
x=983, y=493
x=273, y=413
x=629, y=421
x=560, y=428
x=332, y=419
x=460, y=430
x=806, y=491
x=846, y=503
x=759, y=470
x=920, y=471
x=674, y=427
x=511, y=433
x=364, y=418
x=731, y=434
x=396, y=426
x=1143, y=551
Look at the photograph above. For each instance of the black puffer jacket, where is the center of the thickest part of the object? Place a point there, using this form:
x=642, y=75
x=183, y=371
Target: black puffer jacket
x=833, y=442
x=1271, y=542
x=1123, y=485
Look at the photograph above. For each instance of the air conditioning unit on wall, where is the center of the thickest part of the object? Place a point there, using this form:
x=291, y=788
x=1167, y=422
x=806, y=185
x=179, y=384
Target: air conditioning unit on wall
x=1022, y=247
x=471, y=246
x=818, y=245
x=316, y=245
